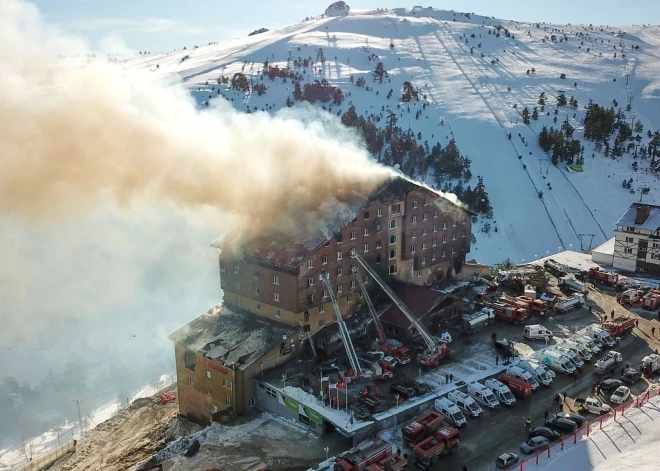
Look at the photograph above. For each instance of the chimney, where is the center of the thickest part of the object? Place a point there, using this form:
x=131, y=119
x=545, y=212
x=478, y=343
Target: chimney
x=643, y=212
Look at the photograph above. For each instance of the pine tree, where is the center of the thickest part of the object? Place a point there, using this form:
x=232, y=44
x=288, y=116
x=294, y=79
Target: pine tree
x=525, y=115
x=639, y=127
x=561, y=100
x=535, y=114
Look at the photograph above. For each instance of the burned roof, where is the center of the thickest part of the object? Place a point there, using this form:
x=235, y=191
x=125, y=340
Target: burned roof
x=233, y=337
x=292, y=252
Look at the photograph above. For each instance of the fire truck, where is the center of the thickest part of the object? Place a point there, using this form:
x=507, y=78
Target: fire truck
x=534, y=305
x=556, y=268
x=620, y=326
x=365, y=455
x=422, y=427
x=509, y=313
x=602, y=276
x=442, y=442
x=651, y=300
x=515, y=302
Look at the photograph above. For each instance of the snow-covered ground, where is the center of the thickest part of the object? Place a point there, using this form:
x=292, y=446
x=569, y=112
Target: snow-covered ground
x=628, y=443
x=469, y=99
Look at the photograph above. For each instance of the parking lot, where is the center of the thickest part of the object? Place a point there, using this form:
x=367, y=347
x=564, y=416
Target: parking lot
x=503, y=430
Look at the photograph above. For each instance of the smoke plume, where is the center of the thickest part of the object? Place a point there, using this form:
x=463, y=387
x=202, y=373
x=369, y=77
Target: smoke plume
x=78, y=130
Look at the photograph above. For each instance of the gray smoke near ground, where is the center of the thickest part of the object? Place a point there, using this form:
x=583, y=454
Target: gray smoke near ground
x=113, y=184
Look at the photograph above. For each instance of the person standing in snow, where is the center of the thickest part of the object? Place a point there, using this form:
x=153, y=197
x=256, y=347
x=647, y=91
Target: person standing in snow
x=451, y=378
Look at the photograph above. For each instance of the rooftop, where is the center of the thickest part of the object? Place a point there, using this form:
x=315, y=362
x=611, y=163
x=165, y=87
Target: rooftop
x=419, y=300
x=605, y=248
x=652, y=222
x=230, y=336
x=292, y=251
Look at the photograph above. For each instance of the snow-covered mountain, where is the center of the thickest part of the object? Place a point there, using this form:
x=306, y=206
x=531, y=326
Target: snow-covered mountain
x=474, y=76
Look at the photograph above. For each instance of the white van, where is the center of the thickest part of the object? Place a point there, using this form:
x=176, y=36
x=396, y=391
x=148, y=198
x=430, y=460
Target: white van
x=465, y=403
x=587, y=343
x=483, y=395
x=520, y=373
x=537, y=370
x=596, y=332
x=537, y=331
x=501, y=392
x=572, y=356
x=451, y=411
x=555, y=360
x=581, y=351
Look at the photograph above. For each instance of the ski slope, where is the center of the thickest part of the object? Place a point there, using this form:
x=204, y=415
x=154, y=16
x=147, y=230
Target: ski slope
x=475, y=100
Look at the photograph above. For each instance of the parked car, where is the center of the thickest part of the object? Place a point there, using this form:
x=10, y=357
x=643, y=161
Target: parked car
x=359, y=411
x=372, y=403
x=545, y=432
x=533, y=444
x=561, y=425
x=506, y=460
x=419, y=386
x=505, y=347
x=610, y=385
x=402, y=389
x=331, y=368
x=621, y=395
x=577, y=418
x=631, y=376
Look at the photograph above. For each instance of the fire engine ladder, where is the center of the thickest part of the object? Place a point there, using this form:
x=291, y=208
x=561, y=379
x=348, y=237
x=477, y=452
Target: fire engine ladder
x=343, y=330
x=311, y=342
x=430, y=342
x=379, y=326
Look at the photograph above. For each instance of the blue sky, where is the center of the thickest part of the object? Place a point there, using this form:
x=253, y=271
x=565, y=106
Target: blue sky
x=160, y=25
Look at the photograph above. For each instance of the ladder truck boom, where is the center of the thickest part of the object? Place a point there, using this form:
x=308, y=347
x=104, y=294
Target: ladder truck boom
x=379, y=326
x=343, y=330
x=430, y=342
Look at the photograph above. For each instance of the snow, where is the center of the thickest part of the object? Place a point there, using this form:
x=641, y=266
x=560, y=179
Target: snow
x=605, y=248
x=471, y=98
x=575, y=261
x=628, y=443
x=337, y=9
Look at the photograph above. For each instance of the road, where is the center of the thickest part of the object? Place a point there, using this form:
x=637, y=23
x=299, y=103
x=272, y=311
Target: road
x=503, y=430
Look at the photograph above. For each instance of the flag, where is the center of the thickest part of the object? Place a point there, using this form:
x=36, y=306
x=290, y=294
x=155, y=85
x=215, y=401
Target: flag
x=325, y=378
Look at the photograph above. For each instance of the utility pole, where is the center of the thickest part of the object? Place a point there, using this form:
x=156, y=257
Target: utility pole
x=79, y=416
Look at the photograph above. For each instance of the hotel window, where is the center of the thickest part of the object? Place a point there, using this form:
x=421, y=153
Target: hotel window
x=236, y=270
x=453, y=250
x=238, y=301
x=453, y=236
x=463, y=234
x=426, y=201
x=366, y=214
x=392, y=239
x=426, y=217
x=453, y=223
x=414, y=204
x=340, y=272
x=252, y=402
x=444, y=225
x=340, y=239
x=414, y=234
x=255, y=274
x=209, y=392
x=433, y=257
x=278, y=313
x=412, y=249
x=423, y=260
x=424, y=246
x=276, y=280
x=424, y=232
x=414, y=219
x=419, y=273
x=392, y=254
x=339, y=256
x=379, y=212
x=630, y=239
x=340, y=288
x=352, y=284
x=366, y=248
x=324, y=260
x=255, y=290
x=353, y=237
x=366, y=280
x=435, y=213
x=435, y=228
x=222, y=268
x=237, y=285
x=227, y=384
x=310, y=298
x=392, y=223
x=257, y=307
x=325, y=293
x=379, y=245
x=228, y=401
x=322, y=309
x=366, y=232
x=444, y=239
x=444, y=253
x=190, y=382
x=392, y=270
x=310, y=281
x=310, y=264
x=276, y=297
x=395, y=208
x=435, y=242
x=208, y=375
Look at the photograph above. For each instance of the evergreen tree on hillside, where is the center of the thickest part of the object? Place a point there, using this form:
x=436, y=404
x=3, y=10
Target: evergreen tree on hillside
x=535, y=114
x=380, y=73
x=525, y=115
x=561, y=100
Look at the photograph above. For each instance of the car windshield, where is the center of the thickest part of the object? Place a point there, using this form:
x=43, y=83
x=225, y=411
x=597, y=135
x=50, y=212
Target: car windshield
x=608, y=339
x=567, y=366
x=543, y=376
x=490, y=398
x=473, y=407
x=508, y=396
x=458, y=416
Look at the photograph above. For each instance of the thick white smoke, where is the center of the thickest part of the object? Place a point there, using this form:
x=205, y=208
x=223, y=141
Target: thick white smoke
x=113, y=184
